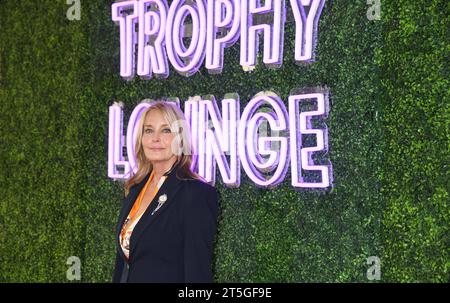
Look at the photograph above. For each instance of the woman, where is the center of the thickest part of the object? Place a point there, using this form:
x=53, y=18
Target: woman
x=168, y=220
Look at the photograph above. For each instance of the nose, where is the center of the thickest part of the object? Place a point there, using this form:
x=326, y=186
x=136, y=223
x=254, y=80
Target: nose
x=155, y=137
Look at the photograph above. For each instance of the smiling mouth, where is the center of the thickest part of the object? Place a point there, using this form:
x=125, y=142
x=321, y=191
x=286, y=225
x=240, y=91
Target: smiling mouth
x=156, y=148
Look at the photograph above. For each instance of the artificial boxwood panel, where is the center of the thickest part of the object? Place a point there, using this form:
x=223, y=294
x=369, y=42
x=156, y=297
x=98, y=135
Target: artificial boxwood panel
x=388, y=138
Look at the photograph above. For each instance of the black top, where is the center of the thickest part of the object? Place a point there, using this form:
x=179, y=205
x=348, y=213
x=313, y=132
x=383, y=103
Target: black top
x=175, y=244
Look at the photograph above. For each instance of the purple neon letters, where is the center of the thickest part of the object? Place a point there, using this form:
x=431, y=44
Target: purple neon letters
x=152, y=35
x=216, y=25
x=217, y=135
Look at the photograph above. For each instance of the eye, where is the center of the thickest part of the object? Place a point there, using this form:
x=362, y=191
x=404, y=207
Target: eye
x=167, y=130
x=148, y=131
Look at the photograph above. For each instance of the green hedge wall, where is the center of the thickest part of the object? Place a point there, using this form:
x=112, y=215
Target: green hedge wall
x=388, y=138
x=415, y=177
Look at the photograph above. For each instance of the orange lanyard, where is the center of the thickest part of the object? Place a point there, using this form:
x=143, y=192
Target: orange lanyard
x=131, y=216
x=138, y=202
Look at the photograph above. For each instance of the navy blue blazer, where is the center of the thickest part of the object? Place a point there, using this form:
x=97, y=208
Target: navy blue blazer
x=175, y=243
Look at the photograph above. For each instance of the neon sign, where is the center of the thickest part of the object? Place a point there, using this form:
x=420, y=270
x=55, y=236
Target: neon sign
x=153, y=34
x=217, y=135
x=216, y=25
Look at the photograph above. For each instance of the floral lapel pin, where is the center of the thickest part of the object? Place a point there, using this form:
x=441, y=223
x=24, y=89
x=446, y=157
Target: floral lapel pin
x=161, y=200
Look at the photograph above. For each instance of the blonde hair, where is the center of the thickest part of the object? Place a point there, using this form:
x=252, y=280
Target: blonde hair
x=178, y=124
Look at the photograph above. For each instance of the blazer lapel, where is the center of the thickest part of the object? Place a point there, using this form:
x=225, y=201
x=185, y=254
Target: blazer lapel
x=170, y=187
x=127, y=205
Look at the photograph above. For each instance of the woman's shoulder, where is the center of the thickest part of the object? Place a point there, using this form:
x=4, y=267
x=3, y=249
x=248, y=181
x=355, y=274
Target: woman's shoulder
x=199, y=185
x=200, y=196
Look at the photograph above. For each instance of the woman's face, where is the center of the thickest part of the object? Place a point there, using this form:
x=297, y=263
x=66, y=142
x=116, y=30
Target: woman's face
x=157, y=138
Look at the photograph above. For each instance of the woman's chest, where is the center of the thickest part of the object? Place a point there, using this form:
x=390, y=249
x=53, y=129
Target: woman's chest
x=147, y=198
